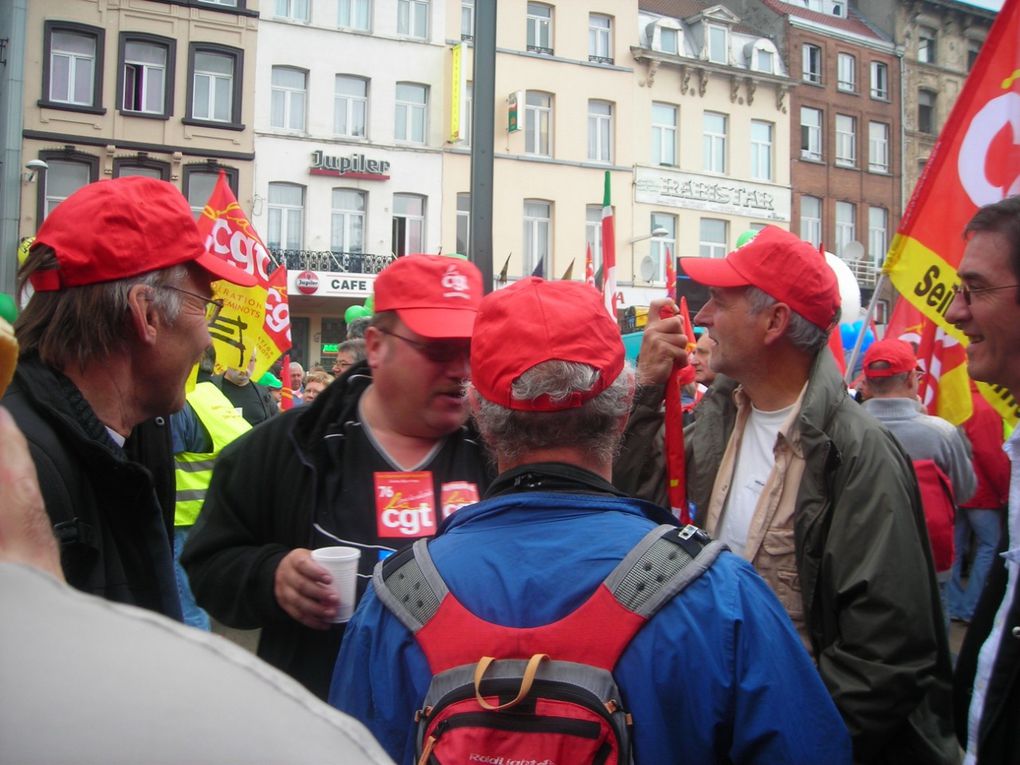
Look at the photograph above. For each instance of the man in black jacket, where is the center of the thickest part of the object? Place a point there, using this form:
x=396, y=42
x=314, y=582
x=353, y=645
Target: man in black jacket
x=117, y=320
x=375, y=462
x=986, y=308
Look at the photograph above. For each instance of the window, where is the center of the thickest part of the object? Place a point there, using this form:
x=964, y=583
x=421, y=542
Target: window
x=412, y=100
x=73, y=64
x=846, y=226
x=600, y=131
x=347, y=221
x=287, y=99
x=878, y=237
x=350, y=106
x=144, y=85
x=879, y=81
x=669, y=40
x=465, y=124
x=540, y=28
x=593, y=234
x=355, y=14
x=215, y=84
x=846, y=140
x=714, y=142
x=408, y=224
x=600, y=31
x=926, y=45
x=467, y=19
x=926, y=111
x=811, y=64
x=664, y=134
x=810, y=133
x=292, y=10
x=463, y=223
x=538, y=124
x=811, y=220
x=761, y=150
x=200, y=180
x=716, y=44
x=660, y=246
x=712, y=238
x=64, y=177
x=878, y=147
x=537, y=236
x=764, y=60
x=413, y=18
x=973, y=49
x=149, y=168
x=846, y=72
x=286, y=216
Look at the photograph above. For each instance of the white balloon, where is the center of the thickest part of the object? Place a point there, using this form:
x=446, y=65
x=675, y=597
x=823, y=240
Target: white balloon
x=849, y=289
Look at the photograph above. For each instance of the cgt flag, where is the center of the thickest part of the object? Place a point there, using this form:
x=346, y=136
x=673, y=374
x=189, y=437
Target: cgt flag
x=976, y=161
x=254, y=319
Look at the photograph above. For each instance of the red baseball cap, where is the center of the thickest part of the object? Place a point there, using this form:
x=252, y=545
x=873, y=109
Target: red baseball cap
x=896, y=353
x=436, y=296
x=533, y=321
x=781, y=265
x=124, y=227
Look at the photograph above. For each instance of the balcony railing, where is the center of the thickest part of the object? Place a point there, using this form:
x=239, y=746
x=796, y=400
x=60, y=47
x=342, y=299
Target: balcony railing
x=540, y=49
x=328, y=260
x=600, y=59
x=867, y=273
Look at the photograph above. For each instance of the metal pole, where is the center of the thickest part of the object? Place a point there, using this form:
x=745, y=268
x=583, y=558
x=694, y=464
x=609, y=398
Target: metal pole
x=483, y=109
x=864, y=328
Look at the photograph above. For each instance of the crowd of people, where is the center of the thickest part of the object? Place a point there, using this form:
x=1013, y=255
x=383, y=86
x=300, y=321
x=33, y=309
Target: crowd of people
x=502, y=470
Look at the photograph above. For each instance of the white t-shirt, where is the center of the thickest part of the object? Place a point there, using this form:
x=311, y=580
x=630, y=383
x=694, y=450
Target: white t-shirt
x=755, y=461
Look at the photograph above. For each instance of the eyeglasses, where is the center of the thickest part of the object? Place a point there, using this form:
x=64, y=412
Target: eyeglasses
x=966, y=292
x=212, y=306
x=436, y=352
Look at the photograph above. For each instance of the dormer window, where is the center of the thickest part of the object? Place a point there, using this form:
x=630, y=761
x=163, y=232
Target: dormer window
x=717, y=43
x=761, y=56
x=665, y=36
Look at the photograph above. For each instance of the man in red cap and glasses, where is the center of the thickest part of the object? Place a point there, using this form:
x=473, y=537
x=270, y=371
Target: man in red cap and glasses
x=711, y=676
x=117, y=320
x=377, y=461
x=795, y=477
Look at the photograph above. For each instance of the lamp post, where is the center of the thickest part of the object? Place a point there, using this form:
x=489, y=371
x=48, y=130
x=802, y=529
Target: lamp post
x=657, y=233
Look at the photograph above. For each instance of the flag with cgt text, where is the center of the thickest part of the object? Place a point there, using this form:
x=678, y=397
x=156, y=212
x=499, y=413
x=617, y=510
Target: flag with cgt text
x=976, y=161
x=254, y=320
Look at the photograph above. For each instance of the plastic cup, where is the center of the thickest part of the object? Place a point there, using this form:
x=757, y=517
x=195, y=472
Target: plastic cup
x=342, y=564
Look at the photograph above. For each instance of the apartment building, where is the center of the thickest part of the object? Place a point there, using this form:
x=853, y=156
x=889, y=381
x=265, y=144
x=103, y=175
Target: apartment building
x=136, y=87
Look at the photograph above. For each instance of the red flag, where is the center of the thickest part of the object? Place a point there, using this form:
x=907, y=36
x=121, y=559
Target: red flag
x=676, y=469
x=671, y=283
x=608, y=251
x=974, y=162
x=254, y=319
x=589, y=267
x=836, y=346
x=286, y=394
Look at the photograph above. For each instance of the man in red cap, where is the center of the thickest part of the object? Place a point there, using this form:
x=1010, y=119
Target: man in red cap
x=380, y=458
x=787, y=470
x=117, y=320
x=710, y=677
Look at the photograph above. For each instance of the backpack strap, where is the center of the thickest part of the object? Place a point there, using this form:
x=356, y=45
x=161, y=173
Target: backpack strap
x=409, y=585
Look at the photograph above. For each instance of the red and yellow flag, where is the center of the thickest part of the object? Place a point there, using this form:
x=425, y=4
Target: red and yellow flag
x=976, y=161
x=254, y=319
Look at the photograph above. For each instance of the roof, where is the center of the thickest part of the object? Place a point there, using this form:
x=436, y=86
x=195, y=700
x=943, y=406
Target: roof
x=684, y=9
x=852, y=23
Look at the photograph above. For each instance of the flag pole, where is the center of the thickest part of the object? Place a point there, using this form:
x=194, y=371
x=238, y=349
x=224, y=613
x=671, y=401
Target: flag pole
x=865, y=323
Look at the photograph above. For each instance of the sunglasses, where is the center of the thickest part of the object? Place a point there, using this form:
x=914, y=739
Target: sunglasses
x=967, y=292
x=436, y=352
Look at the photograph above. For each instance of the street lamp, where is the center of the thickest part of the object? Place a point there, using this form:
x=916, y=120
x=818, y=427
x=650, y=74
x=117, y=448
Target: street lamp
x=648, y=268
x=657, y=233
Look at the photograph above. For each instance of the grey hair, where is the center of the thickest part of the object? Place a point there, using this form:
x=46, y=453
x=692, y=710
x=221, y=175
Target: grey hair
x=593, y=426
x=804, y=335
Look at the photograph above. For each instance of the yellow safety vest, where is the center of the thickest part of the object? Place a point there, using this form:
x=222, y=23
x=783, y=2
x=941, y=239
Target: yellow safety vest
x=193, y=470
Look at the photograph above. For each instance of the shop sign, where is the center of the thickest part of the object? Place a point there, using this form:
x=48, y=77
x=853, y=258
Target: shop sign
x=353, y=166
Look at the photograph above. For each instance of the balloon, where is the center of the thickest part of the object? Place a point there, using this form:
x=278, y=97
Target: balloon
x=355, y=312
x=8, y=308
x=746, y=237
x=456, y=255
x=370, y=303
x=849, y=289
x=848, y=333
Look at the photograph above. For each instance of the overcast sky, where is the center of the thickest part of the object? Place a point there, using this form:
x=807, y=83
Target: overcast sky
x=993, y=4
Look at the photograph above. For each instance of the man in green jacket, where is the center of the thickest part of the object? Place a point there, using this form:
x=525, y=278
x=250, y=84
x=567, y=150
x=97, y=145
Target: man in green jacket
x=787, y=470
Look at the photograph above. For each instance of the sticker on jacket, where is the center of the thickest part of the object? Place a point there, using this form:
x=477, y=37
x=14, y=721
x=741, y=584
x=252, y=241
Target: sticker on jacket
x=454, y=495
x=405, y=504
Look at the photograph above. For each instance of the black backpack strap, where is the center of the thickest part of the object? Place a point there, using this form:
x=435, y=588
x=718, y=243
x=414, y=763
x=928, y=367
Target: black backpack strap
x=661, y=566
x=409, y=584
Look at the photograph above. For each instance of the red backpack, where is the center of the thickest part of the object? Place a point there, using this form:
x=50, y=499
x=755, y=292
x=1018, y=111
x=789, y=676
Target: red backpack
x=541, y=695
x=939, y=504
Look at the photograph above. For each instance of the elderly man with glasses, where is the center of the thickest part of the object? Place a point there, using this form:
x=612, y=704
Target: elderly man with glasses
x=380, y=459
x=117, y=321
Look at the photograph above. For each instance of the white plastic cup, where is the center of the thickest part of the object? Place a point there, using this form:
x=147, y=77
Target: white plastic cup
x=342, y=564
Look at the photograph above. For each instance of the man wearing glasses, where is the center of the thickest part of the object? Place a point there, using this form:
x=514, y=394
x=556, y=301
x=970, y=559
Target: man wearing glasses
x=379, y=461
x=118, y=318
x=986, y=309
